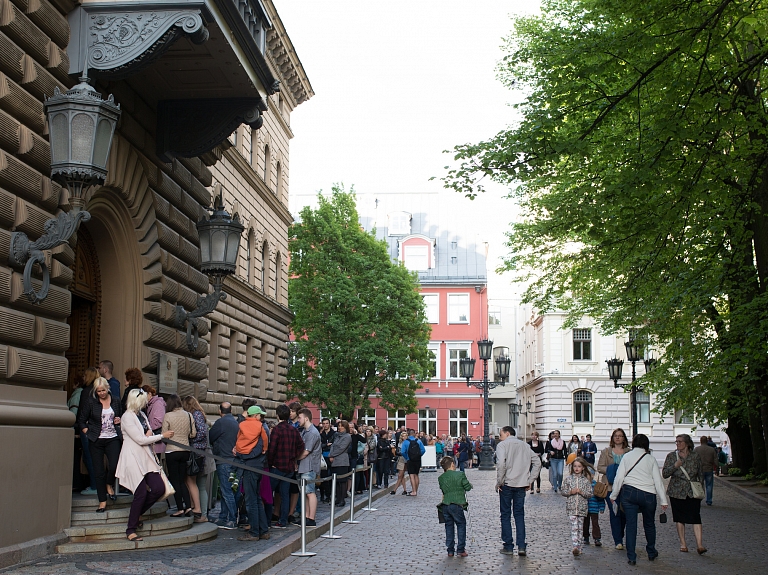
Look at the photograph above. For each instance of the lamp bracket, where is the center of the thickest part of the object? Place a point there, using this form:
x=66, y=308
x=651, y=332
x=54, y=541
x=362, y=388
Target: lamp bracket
x=25, y=253
x=115, y=40
x=205, y=305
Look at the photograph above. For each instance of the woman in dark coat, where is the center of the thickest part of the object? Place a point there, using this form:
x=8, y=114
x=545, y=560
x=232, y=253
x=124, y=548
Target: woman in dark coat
x=99, y=419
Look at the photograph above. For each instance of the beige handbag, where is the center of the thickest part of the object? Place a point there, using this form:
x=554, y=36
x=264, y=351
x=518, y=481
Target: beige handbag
x=696, y=486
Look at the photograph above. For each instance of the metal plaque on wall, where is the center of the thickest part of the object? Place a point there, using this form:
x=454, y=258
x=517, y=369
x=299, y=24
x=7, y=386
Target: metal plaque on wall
x=167, y=373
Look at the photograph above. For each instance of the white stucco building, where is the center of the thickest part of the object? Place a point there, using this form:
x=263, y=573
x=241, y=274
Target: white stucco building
x=563, y=374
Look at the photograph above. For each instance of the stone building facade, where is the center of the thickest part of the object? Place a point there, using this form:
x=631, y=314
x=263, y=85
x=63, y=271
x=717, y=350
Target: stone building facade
x=211, y=66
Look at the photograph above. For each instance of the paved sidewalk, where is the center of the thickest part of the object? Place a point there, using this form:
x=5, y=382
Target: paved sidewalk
x=403, y=537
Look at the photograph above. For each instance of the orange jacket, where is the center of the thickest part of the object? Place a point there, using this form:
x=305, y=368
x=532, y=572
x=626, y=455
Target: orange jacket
x=248, y=436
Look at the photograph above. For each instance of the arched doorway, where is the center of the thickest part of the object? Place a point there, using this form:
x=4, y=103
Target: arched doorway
x=85, y=320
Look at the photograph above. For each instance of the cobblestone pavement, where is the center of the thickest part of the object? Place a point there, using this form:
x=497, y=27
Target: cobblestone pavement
x=404, y=537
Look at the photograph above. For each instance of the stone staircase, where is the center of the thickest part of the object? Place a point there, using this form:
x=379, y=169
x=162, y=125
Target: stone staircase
x=97, y=532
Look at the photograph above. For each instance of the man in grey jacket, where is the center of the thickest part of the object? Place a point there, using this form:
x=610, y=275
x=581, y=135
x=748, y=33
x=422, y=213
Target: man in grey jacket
x=516, y=467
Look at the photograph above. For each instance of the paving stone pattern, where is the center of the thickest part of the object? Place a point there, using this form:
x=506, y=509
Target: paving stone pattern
x=403, y=537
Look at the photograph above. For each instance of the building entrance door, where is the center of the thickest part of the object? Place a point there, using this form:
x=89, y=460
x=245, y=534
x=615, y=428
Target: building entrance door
x=84, y=320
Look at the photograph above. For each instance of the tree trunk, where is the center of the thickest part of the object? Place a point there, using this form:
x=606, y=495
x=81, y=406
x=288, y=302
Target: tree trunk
x=758, y=441
x=741, y=444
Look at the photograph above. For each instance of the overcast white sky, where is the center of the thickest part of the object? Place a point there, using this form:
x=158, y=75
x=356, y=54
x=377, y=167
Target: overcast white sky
x=396, y=83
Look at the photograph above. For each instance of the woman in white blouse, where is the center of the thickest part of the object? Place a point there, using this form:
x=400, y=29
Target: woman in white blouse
x=637, y=485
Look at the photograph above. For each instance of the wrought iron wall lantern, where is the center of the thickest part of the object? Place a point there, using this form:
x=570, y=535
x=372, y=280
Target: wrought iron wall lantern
x=81, y=127
x=219, y=245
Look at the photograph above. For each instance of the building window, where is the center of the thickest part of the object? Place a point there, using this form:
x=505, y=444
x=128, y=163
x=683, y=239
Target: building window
x=279, y=176
x=684, y=417
x=454, y=245
x=455, y=353
x=494, y=315
x=396, y=419
x=278, y=264
x=366, y=416
x=582, y=343
x=264, y=267
x=643, y=403
x=267, y=164
x=432, y=307
x=248, y=254
x=416, y=258
x=399, y=224
x=434, y=357
x=458, y=422
x=582, y=406
x=428, y=421
x=458, y=308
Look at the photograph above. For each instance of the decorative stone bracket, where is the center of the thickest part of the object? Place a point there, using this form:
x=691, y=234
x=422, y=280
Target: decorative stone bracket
x=115, y=40
x=188, y=128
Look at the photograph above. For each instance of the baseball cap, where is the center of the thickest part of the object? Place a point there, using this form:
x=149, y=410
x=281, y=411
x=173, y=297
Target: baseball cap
x=256, y=410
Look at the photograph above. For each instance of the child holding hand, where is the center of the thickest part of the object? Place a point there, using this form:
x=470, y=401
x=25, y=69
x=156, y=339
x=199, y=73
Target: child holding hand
x=577, y=488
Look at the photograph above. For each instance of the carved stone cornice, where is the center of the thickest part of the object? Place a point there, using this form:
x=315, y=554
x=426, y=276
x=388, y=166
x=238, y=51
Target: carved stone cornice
x=294, y=82
x=117, y=39
x=245, y=170
x=246, y=293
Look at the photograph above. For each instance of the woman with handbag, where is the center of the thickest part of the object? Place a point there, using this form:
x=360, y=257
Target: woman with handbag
x=538, y=448
x=607, y=465
x=339, y=458
x=685, y=490
x=176, y=459
x=197, y=483
x=138, y=468
x=155, y=414
x=639, y=484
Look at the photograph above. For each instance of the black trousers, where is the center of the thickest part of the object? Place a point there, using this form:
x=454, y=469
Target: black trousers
x=99, y=448
x=176, y=462
x=382, y=472
x=341, y=484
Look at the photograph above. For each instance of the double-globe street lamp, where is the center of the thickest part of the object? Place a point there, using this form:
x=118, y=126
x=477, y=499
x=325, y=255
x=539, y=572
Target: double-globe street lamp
x=467, y=370
x=615, y=365
x=525, y=413
x=81, y=129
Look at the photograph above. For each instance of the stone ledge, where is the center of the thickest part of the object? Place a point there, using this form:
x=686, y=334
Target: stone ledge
x=30, y=550
x=757, y=494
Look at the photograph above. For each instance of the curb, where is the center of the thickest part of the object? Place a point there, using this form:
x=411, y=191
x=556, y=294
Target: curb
x=30, y=550
x=742, y=491
x=262, y=562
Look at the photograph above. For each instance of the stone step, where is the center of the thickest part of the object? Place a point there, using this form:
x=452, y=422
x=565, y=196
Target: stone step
x=198, y=532
x=89, y=502
x=112, y=515
x=117, y=530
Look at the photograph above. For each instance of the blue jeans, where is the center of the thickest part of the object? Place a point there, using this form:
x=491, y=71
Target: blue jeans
x=285, y=495
x=709, y=484
x=618, y=522
x=229, y=500
x=557, y=472
x=462, y=463
x=512, y=502
x=454, y=515
x=636, y=501
x=87, y=460
x=253, y=503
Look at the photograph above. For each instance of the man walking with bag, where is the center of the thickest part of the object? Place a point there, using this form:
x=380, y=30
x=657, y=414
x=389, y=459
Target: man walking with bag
x=516, y=468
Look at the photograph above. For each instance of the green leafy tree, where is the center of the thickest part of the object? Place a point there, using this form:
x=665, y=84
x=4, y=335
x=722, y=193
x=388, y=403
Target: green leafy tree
x=641, y=165
x=359, y=319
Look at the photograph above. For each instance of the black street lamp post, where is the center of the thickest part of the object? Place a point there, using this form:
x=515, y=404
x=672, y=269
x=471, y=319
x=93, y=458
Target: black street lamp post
x=467, y=369
x=615, y=365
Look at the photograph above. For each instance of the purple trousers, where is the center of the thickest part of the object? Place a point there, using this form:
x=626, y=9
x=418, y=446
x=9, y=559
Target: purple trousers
x=149, y=492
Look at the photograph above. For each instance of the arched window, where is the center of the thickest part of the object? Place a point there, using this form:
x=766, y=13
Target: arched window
x=279, y=184
x=277, y=277
x=248, y=262
x=267, y=164
x=582, y=406
x=264, y=267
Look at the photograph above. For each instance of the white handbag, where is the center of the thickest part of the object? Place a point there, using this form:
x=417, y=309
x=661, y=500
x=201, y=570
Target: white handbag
x=696, y=487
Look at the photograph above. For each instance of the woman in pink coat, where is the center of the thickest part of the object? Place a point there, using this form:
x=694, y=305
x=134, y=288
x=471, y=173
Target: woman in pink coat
x=137, y=468
x=155, y=415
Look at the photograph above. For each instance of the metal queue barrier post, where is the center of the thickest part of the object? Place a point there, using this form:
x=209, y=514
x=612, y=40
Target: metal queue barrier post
x=330, y=534
x=352, y=502
x=303, y=495
x=370, y=492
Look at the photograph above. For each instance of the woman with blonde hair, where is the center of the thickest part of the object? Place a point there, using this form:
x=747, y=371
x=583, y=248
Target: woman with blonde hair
x=401, y=479
x=197, y=484
x=138, y=469
x=99, y=420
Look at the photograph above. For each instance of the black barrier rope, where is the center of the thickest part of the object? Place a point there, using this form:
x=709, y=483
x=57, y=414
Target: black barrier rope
x=234, y=463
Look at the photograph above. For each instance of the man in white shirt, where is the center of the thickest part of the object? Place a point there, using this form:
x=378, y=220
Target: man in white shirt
x=516, y=467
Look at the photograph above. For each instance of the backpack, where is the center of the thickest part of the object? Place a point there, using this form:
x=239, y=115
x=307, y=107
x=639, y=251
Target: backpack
x=414, y=451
